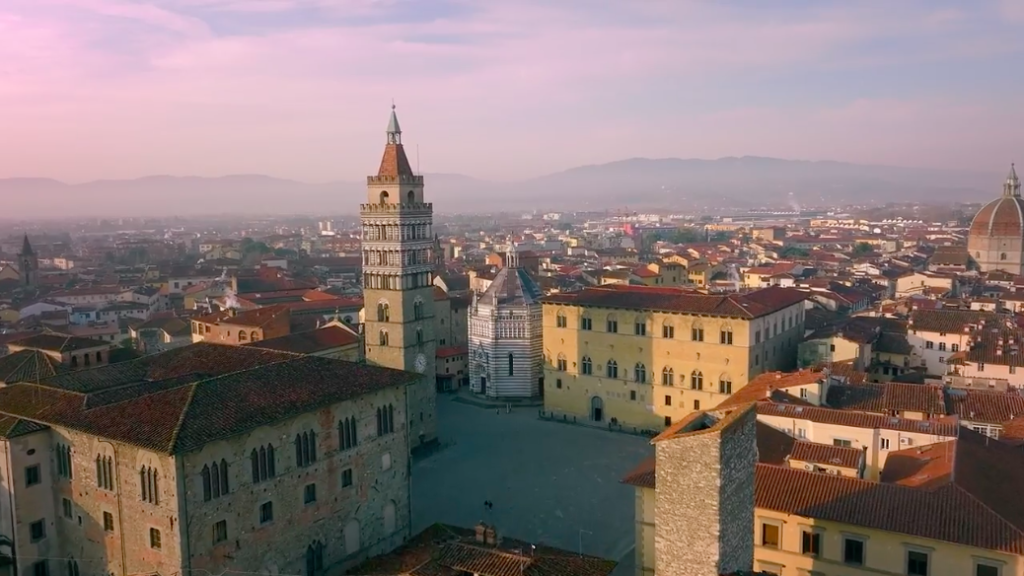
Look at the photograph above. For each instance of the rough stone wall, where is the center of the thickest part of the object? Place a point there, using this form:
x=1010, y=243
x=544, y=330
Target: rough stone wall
x=738, y=454
x=279, y=546
x=687, y=506
x=82, y=537
x=704, y=502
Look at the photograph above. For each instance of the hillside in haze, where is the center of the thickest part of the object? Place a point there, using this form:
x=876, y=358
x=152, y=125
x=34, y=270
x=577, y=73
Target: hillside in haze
x=682, y=185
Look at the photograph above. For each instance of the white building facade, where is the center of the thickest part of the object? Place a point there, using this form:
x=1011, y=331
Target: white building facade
x=505, y=338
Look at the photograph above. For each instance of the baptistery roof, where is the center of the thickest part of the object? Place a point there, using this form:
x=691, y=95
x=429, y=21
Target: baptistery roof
x=512, y=287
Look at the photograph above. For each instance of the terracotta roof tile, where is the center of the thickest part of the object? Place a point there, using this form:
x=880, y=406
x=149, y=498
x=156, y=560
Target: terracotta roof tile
x=762, y=386
x=170, y=403
x=859, y=419
x=750, y=305
x=984, y=405
x=948, y=321
x=887, y=397
x=816, y=453
x=311, y=341
x=57, y=342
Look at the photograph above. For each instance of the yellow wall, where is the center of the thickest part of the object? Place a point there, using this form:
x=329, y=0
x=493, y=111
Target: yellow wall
x=885, y=552
x=643, y=405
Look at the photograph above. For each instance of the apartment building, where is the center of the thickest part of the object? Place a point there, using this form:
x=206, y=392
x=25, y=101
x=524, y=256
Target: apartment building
x=938, y=334
x=643, y=357
x=747, y=487
x=205, y=459
x=232, y=326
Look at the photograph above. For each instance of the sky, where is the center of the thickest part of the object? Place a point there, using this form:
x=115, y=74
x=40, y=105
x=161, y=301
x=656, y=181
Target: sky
x=501, y=89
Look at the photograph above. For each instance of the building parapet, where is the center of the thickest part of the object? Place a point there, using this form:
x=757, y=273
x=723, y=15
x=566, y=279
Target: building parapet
x=400, y=179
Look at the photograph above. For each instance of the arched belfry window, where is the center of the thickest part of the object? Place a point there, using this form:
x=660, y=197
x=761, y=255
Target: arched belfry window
x=412, y=197
x=384, y=197
x=1002, y=256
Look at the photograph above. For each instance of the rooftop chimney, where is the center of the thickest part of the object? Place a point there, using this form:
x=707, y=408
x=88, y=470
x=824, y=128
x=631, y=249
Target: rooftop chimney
x=481, y=530
x=491, y=536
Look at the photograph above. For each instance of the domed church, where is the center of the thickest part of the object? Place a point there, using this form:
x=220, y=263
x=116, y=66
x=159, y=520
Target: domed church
x=996, y=240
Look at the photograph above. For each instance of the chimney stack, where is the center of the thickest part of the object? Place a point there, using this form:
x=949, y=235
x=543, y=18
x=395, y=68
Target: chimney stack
x=491, y=536
x=481, y=530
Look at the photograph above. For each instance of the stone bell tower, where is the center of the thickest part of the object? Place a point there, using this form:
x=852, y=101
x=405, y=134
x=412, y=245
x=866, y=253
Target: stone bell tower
x=28, y=264
x=398, y=290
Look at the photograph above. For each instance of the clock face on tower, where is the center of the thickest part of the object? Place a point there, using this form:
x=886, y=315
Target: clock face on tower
x=421, y=363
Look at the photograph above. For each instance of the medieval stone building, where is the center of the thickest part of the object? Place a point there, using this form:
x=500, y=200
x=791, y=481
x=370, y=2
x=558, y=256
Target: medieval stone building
x=204, y=459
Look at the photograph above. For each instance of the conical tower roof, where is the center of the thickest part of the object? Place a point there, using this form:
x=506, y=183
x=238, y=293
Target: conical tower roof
x=26, y=246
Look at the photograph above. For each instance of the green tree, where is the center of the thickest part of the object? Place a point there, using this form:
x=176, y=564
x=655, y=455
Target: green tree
x=794, y=252
x=862, y=248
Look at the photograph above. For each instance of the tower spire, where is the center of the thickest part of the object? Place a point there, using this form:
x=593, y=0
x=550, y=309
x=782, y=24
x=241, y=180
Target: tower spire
x=394, y=131
x=26, y=246
x=1012, y=185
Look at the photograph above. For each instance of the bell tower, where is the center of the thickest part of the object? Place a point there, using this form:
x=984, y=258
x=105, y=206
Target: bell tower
x=28, y=264
x=398, y=290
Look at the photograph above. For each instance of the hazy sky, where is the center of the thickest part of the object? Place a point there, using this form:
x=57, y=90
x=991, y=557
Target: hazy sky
x=501, y=89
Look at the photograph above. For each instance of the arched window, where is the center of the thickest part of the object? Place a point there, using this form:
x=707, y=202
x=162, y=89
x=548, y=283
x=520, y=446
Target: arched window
x=241, y=336
x=254, y=463
x=271, y=461
x=72, y=567
x=562, y=362
x=668, y=330
x=612, y=323
x=667, y=377
x=1002, y=256
x=725, y=384
x=419, y=336
x=383, y=337
x=697, y=332
x=417, y=310
x=207, y=486
x=384, y=197
x=314, y=558
x=640, y=326
x=511, y=364
x=215, y=480
x=254, y=336
x=586, y=323
x=411, y=197
x=223, y=476
x=612, y=369
x=640, y=373
x=586, y=365
x=725, y=335
x=697, y=380
x=560, y=320
x=389, y=517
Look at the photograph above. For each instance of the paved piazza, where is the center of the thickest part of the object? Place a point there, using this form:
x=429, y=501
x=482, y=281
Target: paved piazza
x=547, y=480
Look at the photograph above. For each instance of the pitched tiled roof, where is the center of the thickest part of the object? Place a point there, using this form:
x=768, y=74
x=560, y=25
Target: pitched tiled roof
x=947, y=514
x=885, y=397
x=28, y=366
x=750, y=305
x=948, y=321
x=394, y=162
x=826, y=454
x=57, y=342
x=858, y=419
x=173, y=405
x=984, y=405
x=762, y=386
x=892, y=344
x=254, y=318
x=444, y=550
x=11, y=427
x=311, y=341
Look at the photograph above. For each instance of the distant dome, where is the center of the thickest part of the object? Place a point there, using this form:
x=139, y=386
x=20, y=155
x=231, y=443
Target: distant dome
x=1001, y=217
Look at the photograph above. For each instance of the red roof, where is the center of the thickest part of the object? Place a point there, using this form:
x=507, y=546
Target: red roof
x=447, y=351
x=750, y=305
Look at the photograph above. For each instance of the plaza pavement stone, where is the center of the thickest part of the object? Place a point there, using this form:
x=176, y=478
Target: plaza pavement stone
x=547, y=480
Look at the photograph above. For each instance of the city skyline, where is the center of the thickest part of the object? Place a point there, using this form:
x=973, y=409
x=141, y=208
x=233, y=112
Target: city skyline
x=297, y=89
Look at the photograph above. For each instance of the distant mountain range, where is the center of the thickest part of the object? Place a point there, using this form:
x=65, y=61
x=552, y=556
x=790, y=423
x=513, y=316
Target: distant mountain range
x=639, y=183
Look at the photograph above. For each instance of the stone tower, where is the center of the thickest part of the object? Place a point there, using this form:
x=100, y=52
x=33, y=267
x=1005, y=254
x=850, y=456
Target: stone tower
x=398, y=291
x=704, y=502
x=28, y=264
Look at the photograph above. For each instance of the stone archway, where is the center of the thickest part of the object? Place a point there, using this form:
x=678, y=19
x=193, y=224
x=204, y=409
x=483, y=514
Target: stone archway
x=596, y=409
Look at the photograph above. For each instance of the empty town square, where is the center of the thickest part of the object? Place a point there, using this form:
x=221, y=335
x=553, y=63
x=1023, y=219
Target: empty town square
x=547, y=482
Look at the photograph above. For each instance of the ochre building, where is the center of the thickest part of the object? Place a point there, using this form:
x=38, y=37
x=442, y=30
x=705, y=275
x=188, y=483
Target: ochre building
x=642, y=357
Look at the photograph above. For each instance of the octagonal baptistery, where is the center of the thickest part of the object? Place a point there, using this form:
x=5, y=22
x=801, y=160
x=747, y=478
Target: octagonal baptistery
x=505, y=337
x=996, y=240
